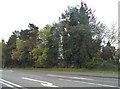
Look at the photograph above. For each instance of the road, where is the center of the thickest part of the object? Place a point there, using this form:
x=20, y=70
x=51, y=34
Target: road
x=24, y=79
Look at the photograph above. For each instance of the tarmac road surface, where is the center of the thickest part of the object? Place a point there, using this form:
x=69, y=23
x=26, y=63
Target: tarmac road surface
x=25, y=79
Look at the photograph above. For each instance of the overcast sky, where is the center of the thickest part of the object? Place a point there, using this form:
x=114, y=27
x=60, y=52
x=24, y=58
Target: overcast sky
x=17, y=14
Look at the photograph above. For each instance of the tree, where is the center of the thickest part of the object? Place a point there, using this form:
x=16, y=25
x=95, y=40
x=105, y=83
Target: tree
x=53, y=46
x=10, y=45
x=25, y=43
x=75, y=41
x=3, y=52
x=108, y=52
x=20, y=54
x=39, y=53
x=78, y=35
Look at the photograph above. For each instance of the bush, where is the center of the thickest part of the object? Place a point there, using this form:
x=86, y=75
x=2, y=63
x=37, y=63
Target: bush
x=100, y=64
x=107, y=65
x=93, y=64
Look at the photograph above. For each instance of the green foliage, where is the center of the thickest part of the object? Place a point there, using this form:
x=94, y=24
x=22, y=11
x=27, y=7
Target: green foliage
x=108, y=65
x=27, y=40
x=40, y=52
x=94, y=63
x=108, y=52
x=20, y=45
x=44, y=33
x=41, y=59
x=7, y=51
x=36, y=52
x=78, y=42
x=53, y=46
x=75, y=41
x=17, y=54
x=100, y=64
x=40, y=55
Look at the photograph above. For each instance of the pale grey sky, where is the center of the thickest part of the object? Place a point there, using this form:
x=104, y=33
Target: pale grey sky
x=17, y=14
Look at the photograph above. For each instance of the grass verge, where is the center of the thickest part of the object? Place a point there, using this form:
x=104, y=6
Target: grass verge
x=71, y=70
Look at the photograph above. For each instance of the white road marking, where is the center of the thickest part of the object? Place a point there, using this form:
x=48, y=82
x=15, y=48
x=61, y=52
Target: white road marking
x=10, y=83
x=30, y=75
x=104, y=85
x=99, y=84
x=80, y=78
x=44, y=83
x=6, y=84
x=56, y=75
x=48, y=85
x=68, y=77
x=65, y=79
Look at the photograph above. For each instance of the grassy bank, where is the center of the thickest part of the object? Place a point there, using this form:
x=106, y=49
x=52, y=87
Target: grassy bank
x=70, y=70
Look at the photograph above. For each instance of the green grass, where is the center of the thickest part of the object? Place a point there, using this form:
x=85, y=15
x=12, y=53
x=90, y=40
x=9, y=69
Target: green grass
x=70, y=70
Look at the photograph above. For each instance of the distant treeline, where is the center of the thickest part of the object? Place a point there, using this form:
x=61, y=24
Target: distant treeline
x=74, y=42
